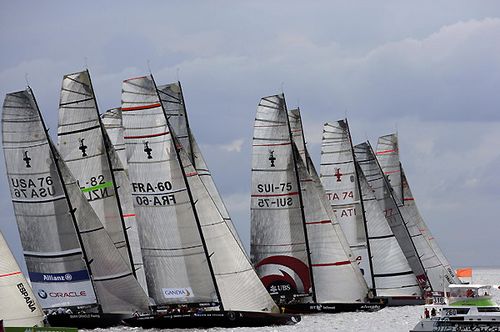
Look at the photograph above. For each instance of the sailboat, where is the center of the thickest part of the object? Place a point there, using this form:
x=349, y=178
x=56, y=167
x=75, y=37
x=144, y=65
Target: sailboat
x=77, y=273
x=196, y=272
x=436, y=265
x=296, y=244
x=18, y=304
x=87, y=150
x=386, y=269
x=383, y=195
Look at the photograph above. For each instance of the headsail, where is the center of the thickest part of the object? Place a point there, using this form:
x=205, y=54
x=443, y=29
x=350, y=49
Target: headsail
x=388, y=156
x=82, y=146
x=18, y=304
x=377, y=181
x=113, y=123
x=337, y=276
x=172, y=99
x=56, y=221
x=278, y=241
x=340, y=180
x=392, y=274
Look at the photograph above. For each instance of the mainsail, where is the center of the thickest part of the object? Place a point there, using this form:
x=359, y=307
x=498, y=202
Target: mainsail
x=279, y=249
x=18, y=305
x=190, y=254
x=340, y=180
x=381, y=189
x=66, y=247
x=82, y=146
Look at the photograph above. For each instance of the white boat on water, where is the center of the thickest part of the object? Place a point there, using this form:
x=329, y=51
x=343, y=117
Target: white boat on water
x=466, y=308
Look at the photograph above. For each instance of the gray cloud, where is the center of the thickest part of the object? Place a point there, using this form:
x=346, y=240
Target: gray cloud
x=428, y=68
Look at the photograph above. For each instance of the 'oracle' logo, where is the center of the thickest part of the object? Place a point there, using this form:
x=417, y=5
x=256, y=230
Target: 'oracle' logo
x=68, y=294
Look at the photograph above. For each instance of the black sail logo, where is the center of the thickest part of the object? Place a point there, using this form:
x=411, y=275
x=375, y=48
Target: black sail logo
x=272, y=158
x=27, y=159
x=29, y=301
x=83, y=148
x=148, y=150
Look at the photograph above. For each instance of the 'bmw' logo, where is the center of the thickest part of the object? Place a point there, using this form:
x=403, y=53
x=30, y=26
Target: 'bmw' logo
x=42, y=294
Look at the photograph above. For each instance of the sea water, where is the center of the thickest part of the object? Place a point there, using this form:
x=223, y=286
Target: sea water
x=395, y=319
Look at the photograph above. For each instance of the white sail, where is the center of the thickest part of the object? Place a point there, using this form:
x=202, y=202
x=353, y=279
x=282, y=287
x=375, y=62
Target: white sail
x=172, y=100
x=392, y=274
x=376, y=179
x=278, y=242
x=175, y=262
x=340, y=181
x=51, y=247
x=235, y=282
x=113, y=123
x=115, y=144
x=56, y=222
x=18, y=305
x=337, y=277
x=81, y=144
x=388, y=156
x=443, y=274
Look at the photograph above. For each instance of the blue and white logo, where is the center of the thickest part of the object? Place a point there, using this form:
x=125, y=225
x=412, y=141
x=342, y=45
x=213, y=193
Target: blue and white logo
x=68, y=277
x=42, y=294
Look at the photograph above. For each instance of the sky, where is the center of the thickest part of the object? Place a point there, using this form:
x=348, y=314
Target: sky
x=428, y=70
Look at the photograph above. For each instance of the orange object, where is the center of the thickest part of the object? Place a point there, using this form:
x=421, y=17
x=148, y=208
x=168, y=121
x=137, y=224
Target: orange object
x=465, y=273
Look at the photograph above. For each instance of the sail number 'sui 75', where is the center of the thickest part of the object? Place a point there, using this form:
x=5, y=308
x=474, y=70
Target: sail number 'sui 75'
x=271, y=195
x=153, y=193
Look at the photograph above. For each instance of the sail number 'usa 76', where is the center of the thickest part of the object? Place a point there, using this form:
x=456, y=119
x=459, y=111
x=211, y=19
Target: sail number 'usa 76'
x=40, y=187
x=153, y=194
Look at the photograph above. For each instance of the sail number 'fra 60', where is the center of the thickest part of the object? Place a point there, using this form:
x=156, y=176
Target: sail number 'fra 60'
x=153, y=194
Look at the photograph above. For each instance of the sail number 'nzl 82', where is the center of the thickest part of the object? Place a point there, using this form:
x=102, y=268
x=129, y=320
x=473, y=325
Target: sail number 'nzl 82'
x=153, y=194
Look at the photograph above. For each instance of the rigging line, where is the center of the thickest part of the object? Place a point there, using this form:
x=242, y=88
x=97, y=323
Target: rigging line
x=26, y=79
x=85, y=63
x=149, y=67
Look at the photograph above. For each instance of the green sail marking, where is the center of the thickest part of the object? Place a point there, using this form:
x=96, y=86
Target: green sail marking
x=99, y=186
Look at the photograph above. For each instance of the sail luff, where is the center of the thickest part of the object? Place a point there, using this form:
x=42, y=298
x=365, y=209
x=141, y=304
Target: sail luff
x=190, y=195
x=301, y=203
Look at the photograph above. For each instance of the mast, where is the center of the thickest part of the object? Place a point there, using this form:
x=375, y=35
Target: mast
x=358, y=185
x=387, y=185
x=115, y=187
x=68, y=201
x=300, y=200
x=190, y=195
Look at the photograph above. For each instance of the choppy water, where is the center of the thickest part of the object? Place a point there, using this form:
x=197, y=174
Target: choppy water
x=400, y=319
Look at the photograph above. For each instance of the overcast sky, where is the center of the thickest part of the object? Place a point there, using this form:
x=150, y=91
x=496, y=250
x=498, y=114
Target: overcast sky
x=428, y=69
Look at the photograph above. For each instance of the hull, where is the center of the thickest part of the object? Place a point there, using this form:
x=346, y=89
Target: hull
x=311, y=308
x=40, y=329
x=447, y=324
x=87, y=321
x=398, y=301
x=212, y=319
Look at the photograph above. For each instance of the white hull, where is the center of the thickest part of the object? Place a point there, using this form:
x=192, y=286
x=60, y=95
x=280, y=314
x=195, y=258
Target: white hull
x=491, y=323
